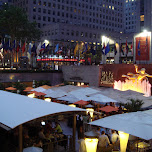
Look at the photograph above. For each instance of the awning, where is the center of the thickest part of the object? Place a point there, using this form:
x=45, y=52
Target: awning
x=138, y=124
x=17, y=109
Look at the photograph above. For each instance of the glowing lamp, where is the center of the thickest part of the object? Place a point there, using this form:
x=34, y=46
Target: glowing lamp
x=72, y=105
x=90, y=110
x=47, y=99
x=31, y=95
x=91, y=141
x=123, y=141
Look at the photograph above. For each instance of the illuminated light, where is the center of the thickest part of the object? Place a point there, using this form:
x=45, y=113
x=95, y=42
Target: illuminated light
x=72, y=105
x=123, y=141
x=31, y=95
x=82, y=83
x=72, y=40
x=90, y=110
x=11, y=77
x=47, y=99
x=91, y=144
x=145, y=31
x=54, y=59
x=78, y=84
x=46, y=42
x=94, y=43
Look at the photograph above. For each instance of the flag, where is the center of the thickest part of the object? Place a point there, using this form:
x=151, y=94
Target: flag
x=146, y=45
x=46, y=49
x=29, y=51
x=42, y=47
x=127, y=48
x=138, y=48
x=23, y=47
x=56, y=48
x=33, y=50
x=107, y=49
x=38, y=49
x=18, y=47
x=93, y=51
x=121, y=50
x=60, y=50
x=76, y=49
x=103, y=49
x=115, y=49
x=69, y=52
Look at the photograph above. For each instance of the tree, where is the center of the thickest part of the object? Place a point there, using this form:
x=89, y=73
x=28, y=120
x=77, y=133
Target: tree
x=14, y=22
x=133, y=105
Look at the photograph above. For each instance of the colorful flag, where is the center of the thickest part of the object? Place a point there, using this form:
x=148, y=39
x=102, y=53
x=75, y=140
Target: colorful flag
x=23, y=47
x=42, y=47
x=38, y=49
x=46, y=49
x=138, y=48
x=18, y=47
x=76, y=49
x=127, y=48
x=115, y=49
x=56, y=48
x=121, y=50
x=107, y=49
x=29, y=51
x=103, y=49
x=60, y=50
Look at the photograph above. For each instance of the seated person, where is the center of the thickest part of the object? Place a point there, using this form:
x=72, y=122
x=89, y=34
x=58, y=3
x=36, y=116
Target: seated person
x=58, y=128
x=41, y=134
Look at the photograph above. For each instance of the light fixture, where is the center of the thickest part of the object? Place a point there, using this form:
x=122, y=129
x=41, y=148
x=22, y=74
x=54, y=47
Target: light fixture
x=91, y=141
x=123, y=141
x=47, y=99
x=31, y=95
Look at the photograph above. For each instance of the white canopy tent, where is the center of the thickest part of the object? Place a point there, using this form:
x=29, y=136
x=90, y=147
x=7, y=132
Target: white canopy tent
x=136, y=123
x=17, y=109
x=39, y=89
x=84, y=91
x=70, y=98
x=100, y=98
x=56, y=94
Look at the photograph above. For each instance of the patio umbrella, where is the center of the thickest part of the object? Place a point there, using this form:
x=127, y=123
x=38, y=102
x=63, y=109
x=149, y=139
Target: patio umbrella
x=138, y=124
x=39, y=89
x=108, y=109
x=28, y=89
x=11, y=88
x=89, y=106
x=32, y=149
x=38, y=93
x=81, y=102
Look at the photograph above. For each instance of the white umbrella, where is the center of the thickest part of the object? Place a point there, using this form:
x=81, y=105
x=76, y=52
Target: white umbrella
x=138, y=123
x=39, y=89
x=56, y=94
x=69, y=98
x=32, y=149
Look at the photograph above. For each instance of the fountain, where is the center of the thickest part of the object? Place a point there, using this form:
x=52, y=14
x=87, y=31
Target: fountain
x=137, y=82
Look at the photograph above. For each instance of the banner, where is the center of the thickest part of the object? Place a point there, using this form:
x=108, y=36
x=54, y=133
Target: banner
x=142, y=52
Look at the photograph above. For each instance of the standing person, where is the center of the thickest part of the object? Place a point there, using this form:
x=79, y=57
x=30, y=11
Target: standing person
x=85, y=121
x=103, y=143
x=88, y=120
x=115, y=140
x=82, y=145
x=58, y=128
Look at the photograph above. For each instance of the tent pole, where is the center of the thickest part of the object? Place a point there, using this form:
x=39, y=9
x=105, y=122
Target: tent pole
x=20, y=138
x=74, y=131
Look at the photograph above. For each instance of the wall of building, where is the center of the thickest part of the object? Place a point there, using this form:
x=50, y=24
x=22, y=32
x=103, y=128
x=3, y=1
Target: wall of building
x=54, y=77
x=85, y=74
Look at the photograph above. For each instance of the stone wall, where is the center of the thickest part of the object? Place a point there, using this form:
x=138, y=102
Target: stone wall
x=83, y=73
x=54, y=77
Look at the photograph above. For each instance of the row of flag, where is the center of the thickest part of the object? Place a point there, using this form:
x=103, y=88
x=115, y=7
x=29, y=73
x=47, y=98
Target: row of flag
x=43, y=48
x=146, y=47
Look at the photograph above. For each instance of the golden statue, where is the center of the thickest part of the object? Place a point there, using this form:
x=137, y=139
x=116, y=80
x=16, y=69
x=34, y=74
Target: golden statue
x=140, y=74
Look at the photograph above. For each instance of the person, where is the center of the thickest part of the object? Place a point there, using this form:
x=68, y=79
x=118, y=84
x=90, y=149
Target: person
x=115, y=140
x=103, y=142
x=58, y=128
x=98, y=131
x=41, y=134
x=85, y=121
x=81, y=132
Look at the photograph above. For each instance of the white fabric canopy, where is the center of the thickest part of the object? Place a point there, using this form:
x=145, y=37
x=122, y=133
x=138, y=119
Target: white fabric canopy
x=136, y=123
x=56, y=94
x=17, y=109
x=84, y=91
x=39, y=89
x=70, y=98
x=101, y=98
x=32, y=149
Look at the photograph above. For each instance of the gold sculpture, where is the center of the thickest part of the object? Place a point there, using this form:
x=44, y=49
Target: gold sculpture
x=140, y=74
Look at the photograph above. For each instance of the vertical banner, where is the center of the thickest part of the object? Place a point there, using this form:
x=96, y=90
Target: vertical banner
x=142, y=48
